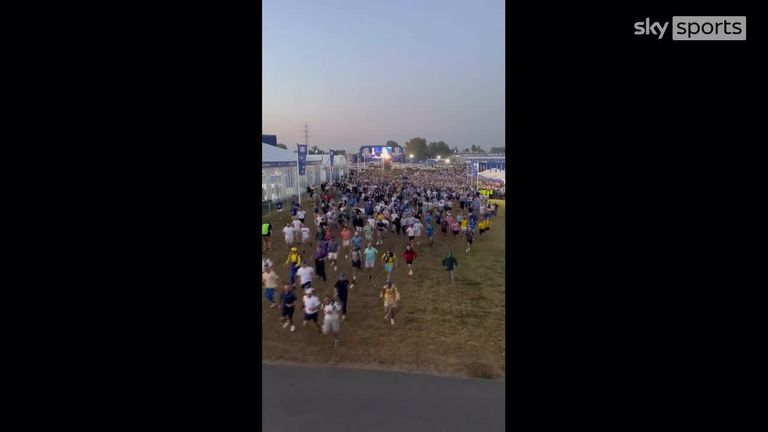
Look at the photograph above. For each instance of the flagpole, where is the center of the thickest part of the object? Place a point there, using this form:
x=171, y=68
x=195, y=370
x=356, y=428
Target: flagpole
x=298, y=175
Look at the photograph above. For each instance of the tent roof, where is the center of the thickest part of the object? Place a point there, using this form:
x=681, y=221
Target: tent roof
x=270, y=153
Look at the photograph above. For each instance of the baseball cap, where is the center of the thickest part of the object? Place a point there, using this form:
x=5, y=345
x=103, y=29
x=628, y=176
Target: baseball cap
x=293, y=249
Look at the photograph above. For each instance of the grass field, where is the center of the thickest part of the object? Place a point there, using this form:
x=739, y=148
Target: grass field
x=441, y=328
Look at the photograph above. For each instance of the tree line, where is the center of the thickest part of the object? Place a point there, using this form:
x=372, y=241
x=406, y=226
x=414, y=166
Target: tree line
x=420, y=150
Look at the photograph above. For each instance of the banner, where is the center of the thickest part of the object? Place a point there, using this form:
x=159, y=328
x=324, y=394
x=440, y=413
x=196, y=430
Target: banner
x=302, y=154
x=331, y=152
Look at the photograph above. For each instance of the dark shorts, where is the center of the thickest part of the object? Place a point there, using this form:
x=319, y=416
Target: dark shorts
x=288, y=312
x=301, y=220
x=469, y=241
x=266, y=235
x=310, y=317
x=410, y=238
x=356, y=264
x=409, y=262
x=455, y=233
x=304, y=286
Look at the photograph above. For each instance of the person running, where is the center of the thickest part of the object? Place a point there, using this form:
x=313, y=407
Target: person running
x=430, y=233
x=304, y=235
x=293, y=262
x=389, y=263
x=320, y=257
x=368, y=231
x=381, y=229
x=444, y=226
x=266, y=235
x=464, y=225
x=333, y=252
x=370, y=254
x=287, y=303
x=411, y=232
x=357, y=259
x=288, y=234
x=450, y=263
x=455, y=228
x=409, y=255
x=311, y=308
x=331, y=324
x=342, y=288
x=300, y=213
x=391, y=298
x=357, y=241
x=305, y=274
x=470, y=238
x=296, y=231
x=417, y=227
x=266, y=263
x=269, y=281
x=346, y=235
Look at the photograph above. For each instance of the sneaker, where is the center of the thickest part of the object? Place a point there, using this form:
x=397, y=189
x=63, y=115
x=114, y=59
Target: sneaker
x=343, y=317
x=386, y=316
x=335, y=268
x=392, y=321
x=273, y=305
x=410, y=273
x=285, y=324
x=293, y=327
x=304, y=323
x=335, y=343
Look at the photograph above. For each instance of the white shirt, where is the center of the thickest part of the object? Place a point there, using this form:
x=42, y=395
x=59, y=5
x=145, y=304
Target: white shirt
x=332, y=311
x=311, y=304
x=300, y=214
x=305, y=233
x=265, y=263
x=296, y=225
x=372, y=222
x=288, y=231
x=305, y=274
x=417, y=229
x=410, y=232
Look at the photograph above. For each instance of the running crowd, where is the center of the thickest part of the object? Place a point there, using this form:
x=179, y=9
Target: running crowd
x=355, y=215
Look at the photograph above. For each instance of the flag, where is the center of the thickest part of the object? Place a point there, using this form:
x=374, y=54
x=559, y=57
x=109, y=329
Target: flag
x=302, y=155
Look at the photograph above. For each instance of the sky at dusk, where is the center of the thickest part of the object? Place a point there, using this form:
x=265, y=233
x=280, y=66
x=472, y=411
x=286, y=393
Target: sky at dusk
x=362, y=72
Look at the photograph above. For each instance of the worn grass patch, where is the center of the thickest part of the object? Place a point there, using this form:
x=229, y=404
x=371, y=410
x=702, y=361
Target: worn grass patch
x=441, y=328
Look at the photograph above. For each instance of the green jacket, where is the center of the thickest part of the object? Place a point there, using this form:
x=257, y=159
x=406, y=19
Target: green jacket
x=450, y=262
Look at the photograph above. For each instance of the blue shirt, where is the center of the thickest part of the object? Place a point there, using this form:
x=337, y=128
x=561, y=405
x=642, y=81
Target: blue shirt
x=357, y=241
x=287, y=298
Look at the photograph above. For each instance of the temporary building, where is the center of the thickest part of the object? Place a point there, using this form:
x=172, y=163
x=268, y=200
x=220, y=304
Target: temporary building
x=279, y=174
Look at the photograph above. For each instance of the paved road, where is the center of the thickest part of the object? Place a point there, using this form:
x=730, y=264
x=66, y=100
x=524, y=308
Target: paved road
x=319, y=399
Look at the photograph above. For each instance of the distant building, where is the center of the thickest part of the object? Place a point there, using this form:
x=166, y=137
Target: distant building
x=269, y=139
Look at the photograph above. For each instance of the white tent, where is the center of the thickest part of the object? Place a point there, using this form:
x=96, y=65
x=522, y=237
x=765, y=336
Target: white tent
x=494, y=174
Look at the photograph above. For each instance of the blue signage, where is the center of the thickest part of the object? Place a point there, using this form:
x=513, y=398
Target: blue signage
x=302, y=159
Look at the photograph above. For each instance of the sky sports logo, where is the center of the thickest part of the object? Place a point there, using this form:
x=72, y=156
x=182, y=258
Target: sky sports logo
x=696, y=28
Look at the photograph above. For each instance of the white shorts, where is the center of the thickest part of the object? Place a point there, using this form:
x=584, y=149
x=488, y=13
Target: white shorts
x=333, y=255
x=331, y=325
x=369, y=264
x=345, y=243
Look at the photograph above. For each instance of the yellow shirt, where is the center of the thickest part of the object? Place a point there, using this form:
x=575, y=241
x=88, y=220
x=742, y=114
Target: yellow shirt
x=294, y=258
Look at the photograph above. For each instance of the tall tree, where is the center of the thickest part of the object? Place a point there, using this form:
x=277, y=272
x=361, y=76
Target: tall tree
x=439, y=148
x=416, y=147
x=391, y=143
x=497, y=150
